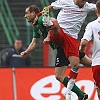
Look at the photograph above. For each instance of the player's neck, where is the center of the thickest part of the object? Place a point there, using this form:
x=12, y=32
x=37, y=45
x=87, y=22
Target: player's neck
x=75, y=2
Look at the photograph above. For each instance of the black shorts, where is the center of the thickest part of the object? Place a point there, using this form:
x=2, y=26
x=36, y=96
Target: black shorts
x=61, y=59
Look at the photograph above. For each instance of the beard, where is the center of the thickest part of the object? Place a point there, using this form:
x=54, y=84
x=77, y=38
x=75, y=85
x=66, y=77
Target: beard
x=31, y=18
x=80, y=6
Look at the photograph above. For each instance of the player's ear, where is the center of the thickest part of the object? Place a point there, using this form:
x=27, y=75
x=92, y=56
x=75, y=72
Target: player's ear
x=96, y=11
x=33, y=13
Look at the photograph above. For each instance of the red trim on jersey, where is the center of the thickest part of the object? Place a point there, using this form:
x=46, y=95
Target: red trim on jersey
x=96, y=75
x=39, y=14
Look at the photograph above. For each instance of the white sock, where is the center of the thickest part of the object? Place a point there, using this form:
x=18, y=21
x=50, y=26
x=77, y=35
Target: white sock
x=70, y=85
x=50, y=23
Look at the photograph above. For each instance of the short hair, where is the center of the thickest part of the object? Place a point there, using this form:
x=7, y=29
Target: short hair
x=98, y=6
x=34, y=8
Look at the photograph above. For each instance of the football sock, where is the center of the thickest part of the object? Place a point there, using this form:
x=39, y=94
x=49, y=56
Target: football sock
x=72, y=77
x=74, y=89
x=73, y=73
x=51, y=25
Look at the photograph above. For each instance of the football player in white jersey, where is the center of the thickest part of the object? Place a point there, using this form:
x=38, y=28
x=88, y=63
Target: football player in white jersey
x=93, y=32
x=62, y=62
x=70, y=20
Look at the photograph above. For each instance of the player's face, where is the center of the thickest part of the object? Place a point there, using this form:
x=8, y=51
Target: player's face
x=80, y=3
x=30, y=16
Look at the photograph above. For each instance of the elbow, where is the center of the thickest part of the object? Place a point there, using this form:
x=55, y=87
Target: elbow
x=35, y=45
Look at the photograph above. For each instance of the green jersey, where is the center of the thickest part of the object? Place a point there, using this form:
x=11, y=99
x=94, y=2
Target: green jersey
x=40, y=30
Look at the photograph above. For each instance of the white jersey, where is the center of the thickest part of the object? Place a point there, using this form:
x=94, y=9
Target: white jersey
x=71, y=17
x=93, y=32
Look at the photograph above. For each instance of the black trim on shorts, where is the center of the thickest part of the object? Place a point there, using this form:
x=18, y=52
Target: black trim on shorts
x=61, y=59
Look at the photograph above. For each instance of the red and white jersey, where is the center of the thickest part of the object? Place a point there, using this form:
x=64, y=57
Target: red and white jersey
x=71, y=17
x=93, y=32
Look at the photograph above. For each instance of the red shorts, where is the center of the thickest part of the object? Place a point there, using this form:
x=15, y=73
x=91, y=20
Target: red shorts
x=96, y=75
x=70, y=45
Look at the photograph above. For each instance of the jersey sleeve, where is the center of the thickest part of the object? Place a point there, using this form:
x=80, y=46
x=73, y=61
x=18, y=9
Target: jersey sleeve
x=53, y=46
x=88, y=32
x=35, y=32
x=91, y=6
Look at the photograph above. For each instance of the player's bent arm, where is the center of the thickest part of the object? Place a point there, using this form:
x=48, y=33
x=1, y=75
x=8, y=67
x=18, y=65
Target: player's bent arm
x=86, y=61
x=30, y=48
x=83, y=44
x=32, y=45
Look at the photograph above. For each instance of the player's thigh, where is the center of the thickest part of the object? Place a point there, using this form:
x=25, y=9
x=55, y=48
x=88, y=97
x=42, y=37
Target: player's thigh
x=86, y=61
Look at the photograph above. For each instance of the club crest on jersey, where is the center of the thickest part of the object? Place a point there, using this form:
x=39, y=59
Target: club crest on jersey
x=39, y=32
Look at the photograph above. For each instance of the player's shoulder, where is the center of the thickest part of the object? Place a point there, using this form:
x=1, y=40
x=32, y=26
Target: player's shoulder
x=36, y=28
x=90, y=5
x=40, y=20
x=67, y=1
x=62, y=2
x=92, y=23
x=87, y=3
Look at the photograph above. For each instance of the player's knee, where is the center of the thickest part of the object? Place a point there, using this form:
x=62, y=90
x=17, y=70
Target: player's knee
x=75, y=65
x=55, y=22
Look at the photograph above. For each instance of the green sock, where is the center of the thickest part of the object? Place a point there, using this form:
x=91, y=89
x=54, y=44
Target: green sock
x=74, y=89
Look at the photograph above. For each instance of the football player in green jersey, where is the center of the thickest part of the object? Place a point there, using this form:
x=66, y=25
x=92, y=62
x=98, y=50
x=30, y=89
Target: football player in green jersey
x=40, y=30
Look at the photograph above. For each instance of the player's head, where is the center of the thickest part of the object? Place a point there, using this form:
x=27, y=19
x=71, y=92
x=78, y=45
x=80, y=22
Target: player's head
x=80, y=3
x=98, y=7
x=30, y=12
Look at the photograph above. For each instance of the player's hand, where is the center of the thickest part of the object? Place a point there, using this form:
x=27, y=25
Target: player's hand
x=23, y=54
x=46, y=41
x=81, y=49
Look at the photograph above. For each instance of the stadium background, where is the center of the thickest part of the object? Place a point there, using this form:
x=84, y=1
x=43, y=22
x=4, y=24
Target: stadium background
x=13, y=24
x=16, y=84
